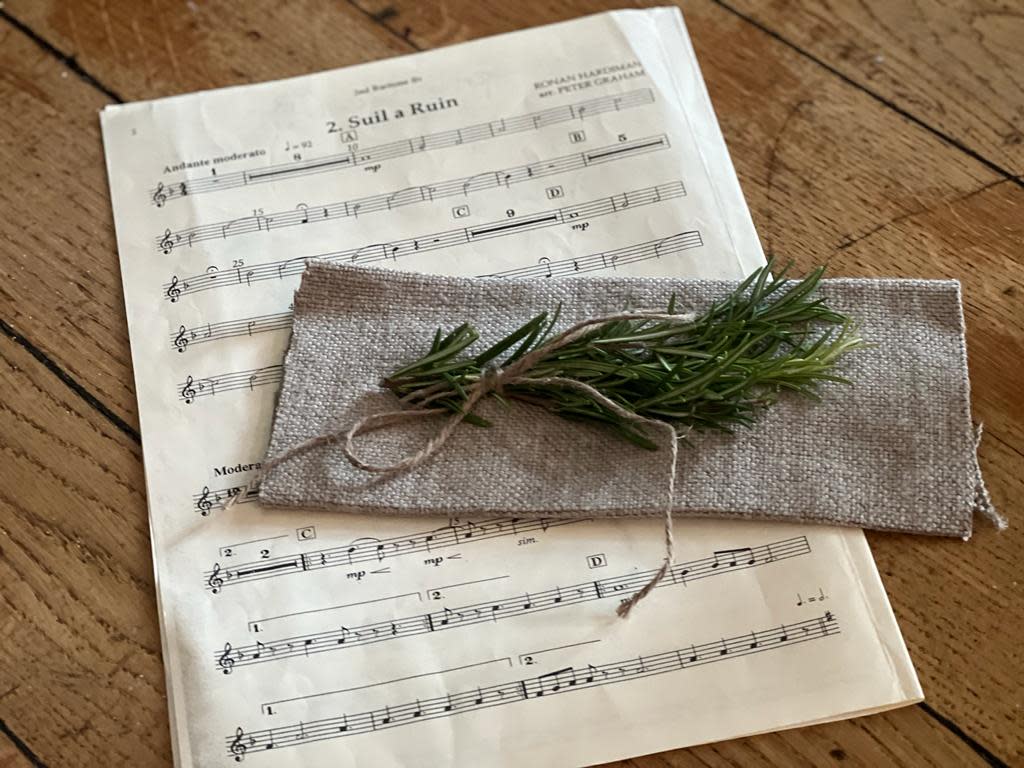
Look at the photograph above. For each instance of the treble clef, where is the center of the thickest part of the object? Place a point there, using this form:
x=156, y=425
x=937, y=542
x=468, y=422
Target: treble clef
x=188, y=392
x=159, y=195
x=225, y=662
x=181, y=341
x=215, y=582
x=166, y=243
x=204, y=505
x=237, y=746
x=173, y=291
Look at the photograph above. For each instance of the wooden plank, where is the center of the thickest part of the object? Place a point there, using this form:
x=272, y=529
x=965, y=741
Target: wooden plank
x=11, y=756
x=79, y=655
x=60, y=276
x=957, y=65
x=904, y=737
x=830, y=175
x=147, y=50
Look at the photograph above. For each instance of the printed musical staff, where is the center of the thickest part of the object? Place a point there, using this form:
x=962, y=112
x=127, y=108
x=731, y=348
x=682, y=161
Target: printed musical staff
x=673, y=245
x=210, y=386
x=385, y=251
x=306, y=214
x=368, y=550
x=272, y=707
x=504, y=608
x=162, y=193
x=208, y=500
x=551, y=683
x=183, y=337
x=654, y=249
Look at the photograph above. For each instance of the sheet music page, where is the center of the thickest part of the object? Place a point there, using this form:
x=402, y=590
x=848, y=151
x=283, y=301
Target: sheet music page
x=310, y=639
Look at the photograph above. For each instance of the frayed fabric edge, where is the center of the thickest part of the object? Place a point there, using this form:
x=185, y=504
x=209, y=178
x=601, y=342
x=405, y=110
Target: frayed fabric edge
x=982, y=500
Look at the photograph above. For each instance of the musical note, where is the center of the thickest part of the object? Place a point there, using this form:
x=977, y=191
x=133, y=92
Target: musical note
x=561, y=678
x=225, y=661
x=733, y=556
x=204, y=505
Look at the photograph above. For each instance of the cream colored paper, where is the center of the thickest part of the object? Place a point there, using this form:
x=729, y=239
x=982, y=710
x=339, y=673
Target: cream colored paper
x=295, y=639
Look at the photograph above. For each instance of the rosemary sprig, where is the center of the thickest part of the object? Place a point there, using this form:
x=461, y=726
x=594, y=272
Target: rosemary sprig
x=715, y=371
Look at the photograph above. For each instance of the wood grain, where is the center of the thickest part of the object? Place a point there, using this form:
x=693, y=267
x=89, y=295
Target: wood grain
x=11, y=756
x=953, y=64
x=60, y=279
x=831, y=175
x=80, y=663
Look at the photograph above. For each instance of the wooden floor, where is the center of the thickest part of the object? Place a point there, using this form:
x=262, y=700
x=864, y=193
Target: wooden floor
x=883, y=137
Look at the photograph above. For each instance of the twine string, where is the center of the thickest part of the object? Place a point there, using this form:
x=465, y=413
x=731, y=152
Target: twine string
x=494, y=380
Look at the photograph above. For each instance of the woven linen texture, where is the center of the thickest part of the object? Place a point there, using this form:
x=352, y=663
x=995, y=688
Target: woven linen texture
x=895, y=451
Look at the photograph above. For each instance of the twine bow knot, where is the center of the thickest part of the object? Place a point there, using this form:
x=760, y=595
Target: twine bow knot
x=493, y=381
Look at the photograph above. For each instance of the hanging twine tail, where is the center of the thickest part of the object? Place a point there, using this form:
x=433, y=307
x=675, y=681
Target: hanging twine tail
x=629, y=604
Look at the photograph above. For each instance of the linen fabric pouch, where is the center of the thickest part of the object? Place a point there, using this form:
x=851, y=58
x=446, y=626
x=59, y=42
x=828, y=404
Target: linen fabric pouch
x=896, y=450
